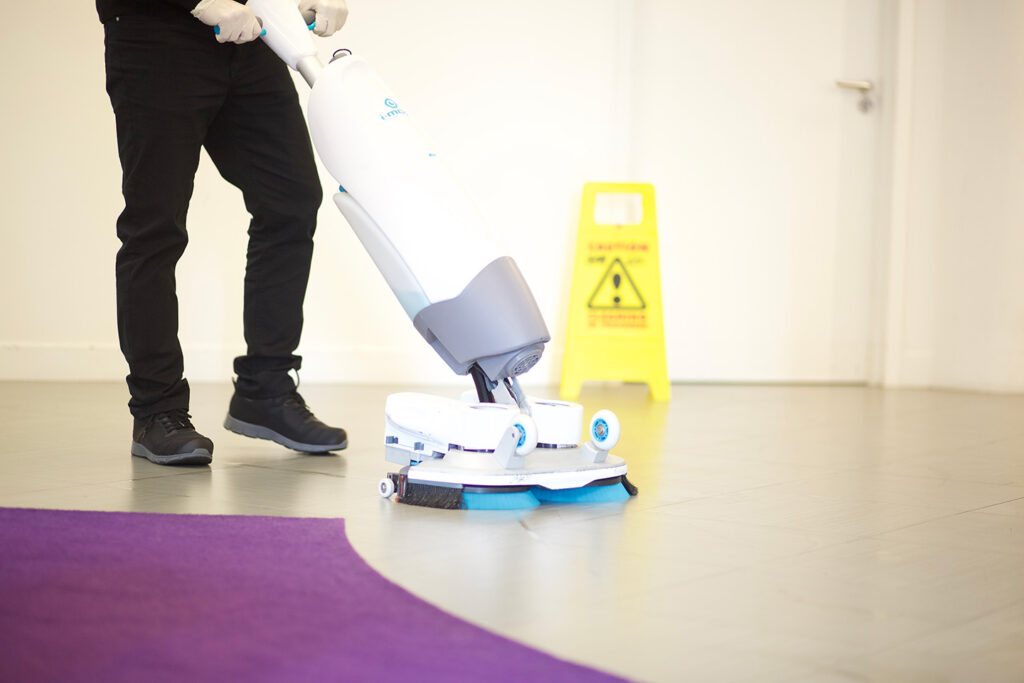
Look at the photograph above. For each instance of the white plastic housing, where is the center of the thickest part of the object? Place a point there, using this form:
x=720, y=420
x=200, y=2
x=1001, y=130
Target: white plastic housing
x=389, y=262
x=559, y=423
x=371, y=146
x=287, y=33
x=438, y=420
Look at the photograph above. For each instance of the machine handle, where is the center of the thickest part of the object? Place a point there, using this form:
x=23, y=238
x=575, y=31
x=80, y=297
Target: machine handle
x=216, y=29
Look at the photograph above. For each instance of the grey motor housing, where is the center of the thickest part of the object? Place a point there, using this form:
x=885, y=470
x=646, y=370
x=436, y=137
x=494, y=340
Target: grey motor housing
x=494, y=323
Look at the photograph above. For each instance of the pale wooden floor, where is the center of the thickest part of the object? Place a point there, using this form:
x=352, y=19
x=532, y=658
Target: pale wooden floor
x=794, y=534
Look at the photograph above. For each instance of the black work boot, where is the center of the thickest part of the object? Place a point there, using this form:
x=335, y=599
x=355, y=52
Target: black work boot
x=169, y=438
x=285, y=420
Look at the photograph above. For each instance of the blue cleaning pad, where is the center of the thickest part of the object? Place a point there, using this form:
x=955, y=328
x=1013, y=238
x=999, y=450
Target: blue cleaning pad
x=499, y=501
x=583, y=494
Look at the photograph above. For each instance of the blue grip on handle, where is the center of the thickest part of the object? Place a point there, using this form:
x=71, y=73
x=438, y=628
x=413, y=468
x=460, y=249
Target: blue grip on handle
x=216, y=31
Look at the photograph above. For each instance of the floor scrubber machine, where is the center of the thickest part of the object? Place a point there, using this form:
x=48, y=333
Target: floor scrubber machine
x=495, y=448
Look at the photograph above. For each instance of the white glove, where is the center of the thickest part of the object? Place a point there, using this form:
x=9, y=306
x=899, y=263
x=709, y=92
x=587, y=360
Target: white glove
x=236, y=22
x=330, y=15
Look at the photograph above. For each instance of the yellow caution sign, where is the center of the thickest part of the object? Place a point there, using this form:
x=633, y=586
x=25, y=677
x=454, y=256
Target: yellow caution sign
x=616, y=331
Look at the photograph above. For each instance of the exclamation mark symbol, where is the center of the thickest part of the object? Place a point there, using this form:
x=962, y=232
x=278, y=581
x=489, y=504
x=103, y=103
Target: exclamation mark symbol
x=617, y=281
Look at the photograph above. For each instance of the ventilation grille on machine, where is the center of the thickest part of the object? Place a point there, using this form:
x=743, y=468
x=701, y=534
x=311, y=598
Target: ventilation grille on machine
x=524, y=364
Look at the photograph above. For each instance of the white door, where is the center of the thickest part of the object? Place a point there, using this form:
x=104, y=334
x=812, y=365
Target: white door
x=765, y=171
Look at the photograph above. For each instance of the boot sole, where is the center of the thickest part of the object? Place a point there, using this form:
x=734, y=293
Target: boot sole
x=259, y=432
x=200, y=456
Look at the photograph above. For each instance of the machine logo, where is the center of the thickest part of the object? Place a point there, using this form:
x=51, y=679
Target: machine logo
x=392, y=109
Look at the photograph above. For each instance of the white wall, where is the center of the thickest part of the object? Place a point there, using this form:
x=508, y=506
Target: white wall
x=956, y=285
x=61, y=190
x=528, y=102
x=519, y=99
x=764, y=170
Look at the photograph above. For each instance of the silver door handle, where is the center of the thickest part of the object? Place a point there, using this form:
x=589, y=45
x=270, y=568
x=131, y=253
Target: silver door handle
x=863, y=87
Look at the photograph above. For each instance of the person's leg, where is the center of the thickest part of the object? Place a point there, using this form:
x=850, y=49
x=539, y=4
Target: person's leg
x=259, y=142
x=165, y=88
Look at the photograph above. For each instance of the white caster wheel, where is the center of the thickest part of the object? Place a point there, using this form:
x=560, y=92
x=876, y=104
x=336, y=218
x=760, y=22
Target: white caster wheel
x=605, y=430
x=527, y=433
x=386, y=487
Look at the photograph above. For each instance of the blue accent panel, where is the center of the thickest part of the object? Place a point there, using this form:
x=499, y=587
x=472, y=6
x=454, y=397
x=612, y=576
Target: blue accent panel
x=342, y=189
x=311, y=26
x=584, y=494
x=263, y=33
x=499, y=501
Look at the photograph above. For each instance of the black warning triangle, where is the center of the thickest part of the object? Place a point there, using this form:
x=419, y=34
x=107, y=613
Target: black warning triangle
x=616, y=290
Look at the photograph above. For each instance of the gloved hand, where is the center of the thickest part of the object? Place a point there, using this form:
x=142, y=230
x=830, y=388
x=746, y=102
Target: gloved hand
x=236, y=21
x=330, y=15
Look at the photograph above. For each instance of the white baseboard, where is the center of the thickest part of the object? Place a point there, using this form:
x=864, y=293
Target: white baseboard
x=412, y=367
x=61, y=362
x=338, y=365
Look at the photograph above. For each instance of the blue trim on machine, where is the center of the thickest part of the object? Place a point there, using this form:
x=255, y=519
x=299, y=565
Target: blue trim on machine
x=584, y=494
x=500, y=501
x=520, y=500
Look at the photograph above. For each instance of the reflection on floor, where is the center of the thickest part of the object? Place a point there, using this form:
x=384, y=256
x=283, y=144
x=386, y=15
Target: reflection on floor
x=781, y=533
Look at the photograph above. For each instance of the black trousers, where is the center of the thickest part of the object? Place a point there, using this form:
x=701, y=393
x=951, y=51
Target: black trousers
x=174, y=90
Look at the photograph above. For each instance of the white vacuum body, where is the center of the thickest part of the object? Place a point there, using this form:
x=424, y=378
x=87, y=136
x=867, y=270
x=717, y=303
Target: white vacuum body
x=468, y=300
x=370, y=144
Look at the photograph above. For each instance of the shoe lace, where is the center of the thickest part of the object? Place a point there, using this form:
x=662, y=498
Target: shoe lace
x=296, y=400
x=174, y=420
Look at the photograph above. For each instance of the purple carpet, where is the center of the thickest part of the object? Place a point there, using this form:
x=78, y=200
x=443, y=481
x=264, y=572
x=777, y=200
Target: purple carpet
x=104, y=596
